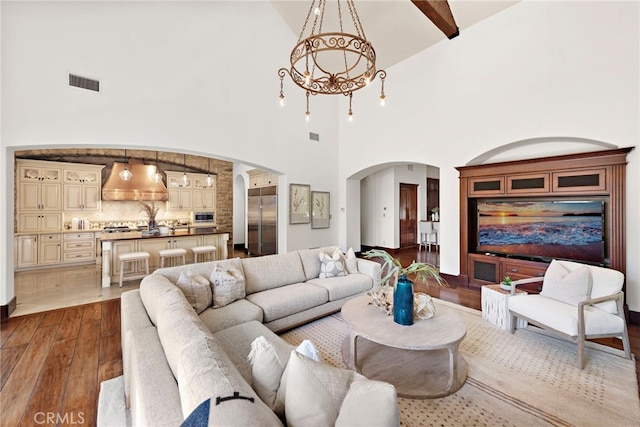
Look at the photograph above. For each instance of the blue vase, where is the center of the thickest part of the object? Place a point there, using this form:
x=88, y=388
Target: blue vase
x=403, y=301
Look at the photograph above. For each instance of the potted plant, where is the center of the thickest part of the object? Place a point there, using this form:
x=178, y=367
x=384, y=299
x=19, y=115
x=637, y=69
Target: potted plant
x=506, y=283
x=401, y=300
x=151, y=211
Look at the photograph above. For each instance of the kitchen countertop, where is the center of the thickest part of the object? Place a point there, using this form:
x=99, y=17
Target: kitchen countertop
x=106, y=237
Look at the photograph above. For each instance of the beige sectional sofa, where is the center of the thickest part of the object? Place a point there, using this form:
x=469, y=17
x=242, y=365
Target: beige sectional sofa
x=176, y=360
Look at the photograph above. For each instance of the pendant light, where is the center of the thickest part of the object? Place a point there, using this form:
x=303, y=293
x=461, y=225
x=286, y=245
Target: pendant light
x=125, y=174
x=185, y=180
x=209, y=181
x=157, y=176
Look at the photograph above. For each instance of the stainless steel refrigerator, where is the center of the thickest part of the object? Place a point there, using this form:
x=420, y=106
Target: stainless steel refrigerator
x=263, y=220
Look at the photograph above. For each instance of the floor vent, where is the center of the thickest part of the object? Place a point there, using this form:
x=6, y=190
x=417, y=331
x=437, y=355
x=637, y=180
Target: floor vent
x=84, y=83
x=314, y=136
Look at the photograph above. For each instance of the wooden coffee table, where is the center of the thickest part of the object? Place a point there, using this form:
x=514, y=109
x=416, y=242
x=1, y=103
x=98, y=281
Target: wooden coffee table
x=422, y=360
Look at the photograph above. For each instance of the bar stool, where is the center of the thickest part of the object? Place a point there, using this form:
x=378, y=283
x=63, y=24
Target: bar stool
x=206, y=252
x=133, y=257
x=172, y=253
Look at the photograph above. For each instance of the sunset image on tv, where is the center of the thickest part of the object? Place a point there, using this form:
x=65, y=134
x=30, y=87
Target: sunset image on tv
x=551, y=229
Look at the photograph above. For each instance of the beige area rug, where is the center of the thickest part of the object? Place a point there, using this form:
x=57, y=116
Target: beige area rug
x=524, y=379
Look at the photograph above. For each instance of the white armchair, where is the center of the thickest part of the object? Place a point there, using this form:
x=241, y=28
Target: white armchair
x=577, y=302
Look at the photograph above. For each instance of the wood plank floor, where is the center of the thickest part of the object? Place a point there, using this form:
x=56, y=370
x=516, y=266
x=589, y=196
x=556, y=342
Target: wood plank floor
x=52, y=363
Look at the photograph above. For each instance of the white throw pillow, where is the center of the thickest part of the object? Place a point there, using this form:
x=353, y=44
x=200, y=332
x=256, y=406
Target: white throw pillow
x=308, y=349
x=332, y=266
x=228, y=286
x=196, y=290
x=570, y=287
x=319, y=391
x=266, y=370
x=352, y=261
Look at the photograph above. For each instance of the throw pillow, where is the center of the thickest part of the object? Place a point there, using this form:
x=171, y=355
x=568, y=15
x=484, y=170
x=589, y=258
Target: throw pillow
x=228, y=286
x=196, y=290
x=332, y=266
x=352, y=261
x=199, y=416
x=570, y=287
x=266, y=370
x=308, y=349
x=319, y=391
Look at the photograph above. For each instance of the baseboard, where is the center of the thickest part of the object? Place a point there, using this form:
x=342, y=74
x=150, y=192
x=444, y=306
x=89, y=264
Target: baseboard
x=6, y=310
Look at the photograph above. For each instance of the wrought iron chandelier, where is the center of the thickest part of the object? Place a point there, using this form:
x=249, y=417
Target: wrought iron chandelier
x=332, y=63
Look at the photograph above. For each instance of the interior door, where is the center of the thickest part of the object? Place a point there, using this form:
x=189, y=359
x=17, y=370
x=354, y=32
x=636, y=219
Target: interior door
x=408, y=213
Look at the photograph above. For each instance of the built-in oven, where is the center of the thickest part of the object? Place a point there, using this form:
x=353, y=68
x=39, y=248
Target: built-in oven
x=203, y=218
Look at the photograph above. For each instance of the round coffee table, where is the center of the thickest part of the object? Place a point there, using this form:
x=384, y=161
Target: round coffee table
x=422, y=360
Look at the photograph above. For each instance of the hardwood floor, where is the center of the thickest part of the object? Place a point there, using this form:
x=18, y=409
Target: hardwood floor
x=52, y=363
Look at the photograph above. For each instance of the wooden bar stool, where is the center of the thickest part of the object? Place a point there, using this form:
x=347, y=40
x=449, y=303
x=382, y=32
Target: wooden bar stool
x=133, y=257
x=206, y=252
x=172, y=253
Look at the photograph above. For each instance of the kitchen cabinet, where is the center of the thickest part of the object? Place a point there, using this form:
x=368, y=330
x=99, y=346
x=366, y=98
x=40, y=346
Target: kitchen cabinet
x=261, y=179
x=35, y=250
x=152, y=246
x=79, y=247
x=204, y=197
x=180, y=194
x=220, y=241
x=82, y=188
x=36, y=222
x=39, y=186
x=491, y=269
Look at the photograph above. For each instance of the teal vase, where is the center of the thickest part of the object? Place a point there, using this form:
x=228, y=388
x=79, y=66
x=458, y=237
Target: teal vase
x=403, y=301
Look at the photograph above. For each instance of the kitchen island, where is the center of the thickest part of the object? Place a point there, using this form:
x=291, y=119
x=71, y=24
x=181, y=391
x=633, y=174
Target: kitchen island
x=114, y=244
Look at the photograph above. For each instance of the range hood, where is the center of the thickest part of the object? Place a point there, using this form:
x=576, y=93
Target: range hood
x=140, y=187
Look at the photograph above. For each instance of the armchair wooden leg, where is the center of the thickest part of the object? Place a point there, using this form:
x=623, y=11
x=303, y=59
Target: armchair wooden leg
x=581, y=353
x=625, y=343
x=514, y=321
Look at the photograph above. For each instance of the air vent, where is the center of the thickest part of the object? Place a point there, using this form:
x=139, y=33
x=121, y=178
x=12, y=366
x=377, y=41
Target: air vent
x=314, y=136
x=410, y=168
x=84, y=83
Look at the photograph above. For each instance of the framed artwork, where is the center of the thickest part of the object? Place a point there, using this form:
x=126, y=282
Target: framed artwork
x=320, y=209
x=299, y=198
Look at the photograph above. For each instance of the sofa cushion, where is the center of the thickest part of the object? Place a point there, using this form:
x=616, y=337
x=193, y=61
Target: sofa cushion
x=272, y=271
x=311, y=262
x=345, y=286
x=315, y=391
x=196, y=289
x=236, y=342
x=357, y=410
x=241, y=311
x=286, y=300
x=333, y=265
x=266, y=370
x=566, y=286
x=228, y=285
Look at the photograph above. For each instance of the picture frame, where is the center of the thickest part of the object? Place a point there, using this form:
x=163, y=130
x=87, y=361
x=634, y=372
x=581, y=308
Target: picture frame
x=320, y=209
x=299, y=203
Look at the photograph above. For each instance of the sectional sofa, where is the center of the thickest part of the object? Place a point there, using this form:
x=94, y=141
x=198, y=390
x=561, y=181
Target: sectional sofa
x=185, y=356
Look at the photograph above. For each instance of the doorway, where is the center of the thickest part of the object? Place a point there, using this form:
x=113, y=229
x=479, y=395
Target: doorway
x=408, y=215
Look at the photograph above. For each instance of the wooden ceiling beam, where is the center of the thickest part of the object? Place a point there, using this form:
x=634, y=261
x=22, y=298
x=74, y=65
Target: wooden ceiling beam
x=439, y=12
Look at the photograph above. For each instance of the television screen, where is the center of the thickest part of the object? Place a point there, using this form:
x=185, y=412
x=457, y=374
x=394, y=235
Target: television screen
x=564, y=229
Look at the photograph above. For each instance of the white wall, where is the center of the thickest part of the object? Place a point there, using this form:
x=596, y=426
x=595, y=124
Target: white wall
x=535, y=70
x=194, y=77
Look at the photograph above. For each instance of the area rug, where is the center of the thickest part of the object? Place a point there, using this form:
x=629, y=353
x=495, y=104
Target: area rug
x=521, y=379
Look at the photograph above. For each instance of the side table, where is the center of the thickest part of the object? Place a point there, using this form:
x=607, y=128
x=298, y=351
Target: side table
x=495, y=307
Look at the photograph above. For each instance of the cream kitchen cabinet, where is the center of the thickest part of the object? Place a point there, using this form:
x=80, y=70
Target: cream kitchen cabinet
x=36, y=250
x=180, y=194
x=79, y=247
x=204, y=196
x=38, y=222
x=39, y=186
x=82, y=188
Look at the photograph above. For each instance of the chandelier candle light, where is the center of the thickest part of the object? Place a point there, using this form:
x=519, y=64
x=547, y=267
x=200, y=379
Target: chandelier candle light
x=332, y=63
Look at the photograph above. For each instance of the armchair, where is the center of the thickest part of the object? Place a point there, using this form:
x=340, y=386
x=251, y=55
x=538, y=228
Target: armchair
x=577, y=302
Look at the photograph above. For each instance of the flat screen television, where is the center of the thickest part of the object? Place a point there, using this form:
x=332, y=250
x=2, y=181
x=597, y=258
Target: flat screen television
x=542, y=230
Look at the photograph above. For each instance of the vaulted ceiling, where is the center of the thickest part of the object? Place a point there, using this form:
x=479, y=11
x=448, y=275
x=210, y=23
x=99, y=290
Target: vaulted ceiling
x=399, y=29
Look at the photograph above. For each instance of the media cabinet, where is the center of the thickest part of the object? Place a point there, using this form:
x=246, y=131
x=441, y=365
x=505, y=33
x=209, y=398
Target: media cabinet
x=598, y=174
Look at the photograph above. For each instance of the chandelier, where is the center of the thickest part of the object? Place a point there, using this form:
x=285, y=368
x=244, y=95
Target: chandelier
x=332, y=62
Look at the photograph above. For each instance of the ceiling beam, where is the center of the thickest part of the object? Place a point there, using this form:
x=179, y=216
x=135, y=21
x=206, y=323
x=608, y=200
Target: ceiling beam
x=439, y=12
